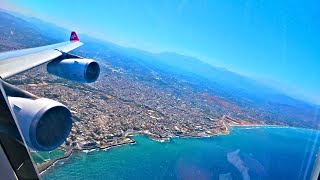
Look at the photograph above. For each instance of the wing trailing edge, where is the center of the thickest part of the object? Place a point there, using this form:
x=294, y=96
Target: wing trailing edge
x=14, y=62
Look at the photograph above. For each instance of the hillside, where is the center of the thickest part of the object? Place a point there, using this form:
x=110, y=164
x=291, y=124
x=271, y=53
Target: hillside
x=215, y=90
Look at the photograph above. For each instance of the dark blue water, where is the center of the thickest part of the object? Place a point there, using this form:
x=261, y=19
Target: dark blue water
x=246, y=153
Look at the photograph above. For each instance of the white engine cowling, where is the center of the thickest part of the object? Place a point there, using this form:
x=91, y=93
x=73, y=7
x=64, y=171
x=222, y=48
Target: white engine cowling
x=44, y=123
x=75, y=69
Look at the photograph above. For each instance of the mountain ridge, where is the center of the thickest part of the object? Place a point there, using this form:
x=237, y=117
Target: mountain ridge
x=217, y=87
x=174, y=60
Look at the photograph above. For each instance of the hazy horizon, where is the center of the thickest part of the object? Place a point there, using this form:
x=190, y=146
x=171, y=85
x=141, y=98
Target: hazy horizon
x=284, y=74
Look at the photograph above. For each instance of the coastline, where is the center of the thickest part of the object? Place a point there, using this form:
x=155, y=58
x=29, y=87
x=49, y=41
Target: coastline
x=259, y=125
x=148, y=154
x=273, y=126
x=46, y=165
x=43, y=167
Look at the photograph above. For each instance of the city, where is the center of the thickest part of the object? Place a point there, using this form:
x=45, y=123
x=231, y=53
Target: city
x=136, y=94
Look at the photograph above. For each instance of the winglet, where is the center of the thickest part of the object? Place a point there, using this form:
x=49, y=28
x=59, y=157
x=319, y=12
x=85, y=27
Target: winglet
x=74, y=36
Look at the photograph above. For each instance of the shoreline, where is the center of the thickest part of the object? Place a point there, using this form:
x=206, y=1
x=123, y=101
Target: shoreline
x=45, y=166
x=257, y=125
x=274, y=126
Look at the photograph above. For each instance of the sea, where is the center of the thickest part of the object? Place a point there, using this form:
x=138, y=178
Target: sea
x=255, y=152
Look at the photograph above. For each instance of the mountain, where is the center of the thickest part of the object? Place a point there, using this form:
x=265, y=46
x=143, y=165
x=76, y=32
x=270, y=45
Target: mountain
x=251, y=95
x=19, y=28
x=192, y=67
x=48, y=30
x=16, y=33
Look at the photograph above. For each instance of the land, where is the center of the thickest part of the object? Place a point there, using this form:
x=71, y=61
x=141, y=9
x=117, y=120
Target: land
x=109, y=111
x=157, y=95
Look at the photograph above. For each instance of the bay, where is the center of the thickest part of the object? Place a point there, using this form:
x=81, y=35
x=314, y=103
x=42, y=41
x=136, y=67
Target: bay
x=257, y=152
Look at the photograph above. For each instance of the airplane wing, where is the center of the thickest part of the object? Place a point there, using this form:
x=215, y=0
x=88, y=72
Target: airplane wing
x=18, y=61
x=25, y=119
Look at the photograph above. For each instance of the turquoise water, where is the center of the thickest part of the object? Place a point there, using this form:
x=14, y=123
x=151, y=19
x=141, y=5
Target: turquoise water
x=246, y=153
x=40, y=157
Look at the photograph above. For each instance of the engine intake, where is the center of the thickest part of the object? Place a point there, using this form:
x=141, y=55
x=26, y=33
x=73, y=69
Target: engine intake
x=45, y=124
x=75, y=69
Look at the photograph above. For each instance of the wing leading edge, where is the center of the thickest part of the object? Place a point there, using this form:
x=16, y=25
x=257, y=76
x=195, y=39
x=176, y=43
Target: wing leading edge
x=18, y=61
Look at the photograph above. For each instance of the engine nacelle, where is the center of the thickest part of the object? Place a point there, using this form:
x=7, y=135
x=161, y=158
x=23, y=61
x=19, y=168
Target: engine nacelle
x=44, y=123
x=75, y=69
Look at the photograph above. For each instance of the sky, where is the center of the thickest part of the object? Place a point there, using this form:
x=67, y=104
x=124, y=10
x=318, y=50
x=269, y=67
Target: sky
x=276, y=42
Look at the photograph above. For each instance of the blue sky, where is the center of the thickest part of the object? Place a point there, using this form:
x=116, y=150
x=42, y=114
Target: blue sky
x=277, y=42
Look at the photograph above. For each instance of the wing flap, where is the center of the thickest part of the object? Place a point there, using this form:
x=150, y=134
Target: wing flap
x=15, y=65
x=70, y=47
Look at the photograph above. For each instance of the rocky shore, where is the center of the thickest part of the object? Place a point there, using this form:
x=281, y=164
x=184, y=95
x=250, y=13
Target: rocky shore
x=47, y=164
x=68, y=152
x=129, y=140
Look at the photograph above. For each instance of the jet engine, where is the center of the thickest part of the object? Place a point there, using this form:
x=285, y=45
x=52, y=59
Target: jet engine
x=44, y=123
x=75, y=69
